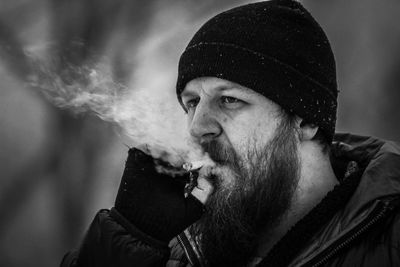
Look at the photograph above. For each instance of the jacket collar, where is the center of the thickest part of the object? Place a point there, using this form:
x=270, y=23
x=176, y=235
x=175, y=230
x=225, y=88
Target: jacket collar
x=380, y=162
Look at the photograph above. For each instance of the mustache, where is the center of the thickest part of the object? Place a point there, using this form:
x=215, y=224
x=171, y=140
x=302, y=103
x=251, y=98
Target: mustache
x=219, y=153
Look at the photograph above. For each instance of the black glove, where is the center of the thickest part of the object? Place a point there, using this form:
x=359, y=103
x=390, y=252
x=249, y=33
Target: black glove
x=153, y=202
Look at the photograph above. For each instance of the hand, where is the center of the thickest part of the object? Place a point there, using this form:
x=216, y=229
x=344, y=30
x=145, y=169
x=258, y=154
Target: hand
x=153, y=202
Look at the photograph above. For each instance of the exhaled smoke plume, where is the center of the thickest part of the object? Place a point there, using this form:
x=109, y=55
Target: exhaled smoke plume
x=152, y=118
x=145, y=106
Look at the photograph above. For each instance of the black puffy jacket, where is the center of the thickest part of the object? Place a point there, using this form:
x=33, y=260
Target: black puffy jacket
x=366, y=232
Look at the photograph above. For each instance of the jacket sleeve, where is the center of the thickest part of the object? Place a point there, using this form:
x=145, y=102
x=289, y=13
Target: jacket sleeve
x=112, y=241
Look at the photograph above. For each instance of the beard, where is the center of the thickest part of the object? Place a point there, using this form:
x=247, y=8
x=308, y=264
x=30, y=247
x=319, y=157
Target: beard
x=257, y=197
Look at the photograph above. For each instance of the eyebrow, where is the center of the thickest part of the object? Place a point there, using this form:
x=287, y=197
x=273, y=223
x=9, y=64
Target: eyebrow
x=187, y=93
x=223, y=87
x=239, y=89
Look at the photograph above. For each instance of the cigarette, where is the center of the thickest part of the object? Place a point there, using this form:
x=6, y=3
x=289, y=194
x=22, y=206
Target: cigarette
x=191, y=184
x=189, y=166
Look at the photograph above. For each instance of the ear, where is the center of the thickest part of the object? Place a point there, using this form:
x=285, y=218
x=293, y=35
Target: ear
x=307, y=130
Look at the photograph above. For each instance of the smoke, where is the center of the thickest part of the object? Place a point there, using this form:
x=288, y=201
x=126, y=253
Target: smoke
x=146, y=111
x=150, y=116
x=143, y=102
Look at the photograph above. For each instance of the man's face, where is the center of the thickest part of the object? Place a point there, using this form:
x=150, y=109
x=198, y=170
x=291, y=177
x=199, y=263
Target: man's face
x=257, y=170
x=232, y=115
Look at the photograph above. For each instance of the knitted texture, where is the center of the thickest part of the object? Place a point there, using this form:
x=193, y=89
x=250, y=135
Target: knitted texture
x=275, y=48
x=154, y=203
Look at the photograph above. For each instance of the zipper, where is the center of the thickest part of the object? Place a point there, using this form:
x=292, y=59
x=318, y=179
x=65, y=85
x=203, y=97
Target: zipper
x=185, y=248
x=376, y=216
x=191, y=250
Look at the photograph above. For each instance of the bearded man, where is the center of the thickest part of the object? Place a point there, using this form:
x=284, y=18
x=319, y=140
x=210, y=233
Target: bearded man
x=258, y=83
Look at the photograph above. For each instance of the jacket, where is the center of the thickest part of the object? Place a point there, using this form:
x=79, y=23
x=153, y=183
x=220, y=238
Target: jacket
x=366, y=232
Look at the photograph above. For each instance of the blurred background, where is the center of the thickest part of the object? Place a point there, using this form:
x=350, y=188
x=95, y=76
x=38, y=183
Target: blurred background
x=58, y=167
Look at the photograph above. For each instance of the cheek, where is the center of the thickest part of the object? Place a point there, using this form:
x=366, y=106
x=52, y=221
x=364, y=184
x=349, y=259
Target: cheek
x=251, y=134
x=264, y=130
x=238, y=137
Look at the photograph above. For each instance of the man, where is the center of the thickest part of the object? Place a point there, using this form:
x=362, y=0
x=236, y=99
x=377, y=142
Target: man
x=258, y=83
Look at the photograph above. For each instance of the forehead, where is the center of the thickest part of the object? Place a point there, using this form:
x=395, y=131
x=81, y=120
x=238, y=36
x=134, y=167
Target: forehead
x=213, y=85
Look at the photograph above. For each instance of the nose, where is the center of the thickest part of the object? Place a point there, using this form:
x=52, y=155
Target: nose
x=204, y=126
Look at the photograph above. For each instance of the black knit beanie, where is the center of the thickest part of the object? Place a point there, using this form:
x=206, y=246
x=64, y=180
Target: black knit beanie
x=275, y=48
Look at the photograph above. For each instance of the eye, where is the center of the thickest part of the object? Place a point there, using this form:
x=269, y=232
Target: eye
x=192, y=103
x=231, y=102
